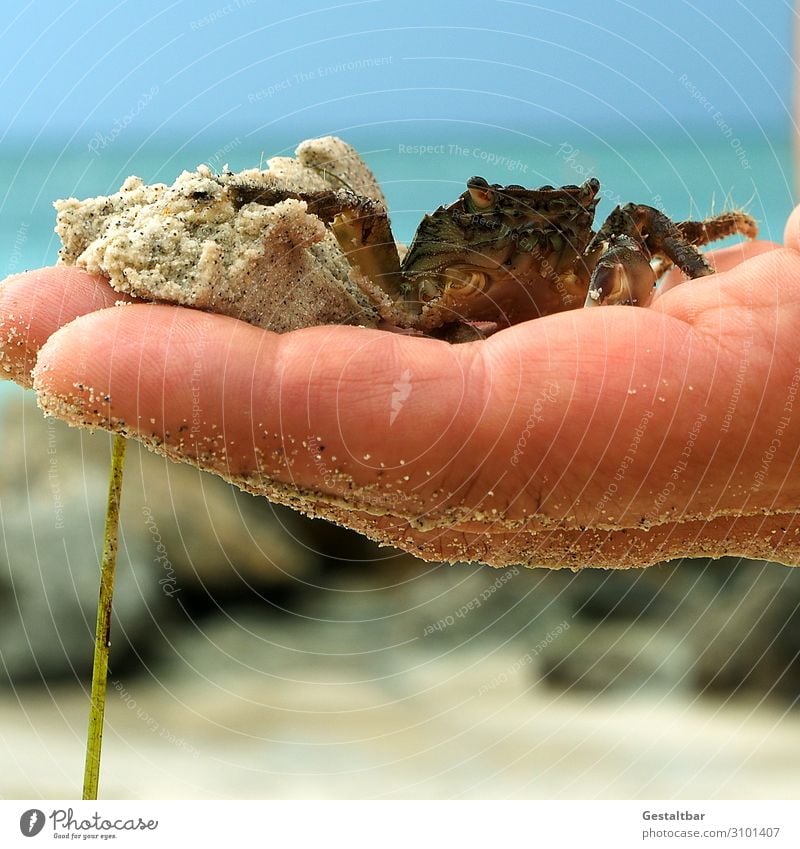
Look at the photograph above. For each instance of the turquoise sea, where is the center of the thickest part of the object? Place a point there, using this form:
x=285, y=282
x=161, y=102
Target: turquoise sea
x=686, y=176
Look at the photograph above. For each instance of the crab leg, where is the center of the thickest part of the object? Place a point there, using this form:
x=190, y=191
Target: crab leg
x=635, y=234
x=718, y=227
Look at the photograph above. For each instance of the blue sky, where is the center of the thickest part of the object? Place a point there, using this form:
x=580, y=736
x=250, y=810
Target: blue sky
x=76, y=70
x=687, y=101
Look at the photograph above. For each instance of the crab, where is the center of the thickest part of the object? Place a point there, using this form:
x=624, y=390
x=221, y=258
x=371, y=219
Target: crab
x=500, y=255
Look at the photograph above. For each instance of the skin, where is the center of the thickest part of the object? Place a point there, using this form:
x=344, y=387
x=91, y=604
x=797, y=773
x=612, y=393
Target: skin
x=608, y=437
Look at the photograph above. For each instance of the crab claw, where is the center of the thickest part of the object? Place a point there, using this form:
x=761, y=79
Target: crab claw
x=623, y=275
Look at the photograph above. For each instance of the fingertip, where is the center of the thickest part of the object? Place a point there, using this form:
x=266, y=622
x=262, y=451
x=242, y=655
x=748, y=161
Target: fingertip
x=64, y=364
x=34, y=304
x=153, y=371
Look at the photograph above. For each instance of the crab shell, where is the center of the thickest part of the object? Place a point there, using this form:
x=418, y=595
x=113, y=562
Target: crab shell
x=504, y=252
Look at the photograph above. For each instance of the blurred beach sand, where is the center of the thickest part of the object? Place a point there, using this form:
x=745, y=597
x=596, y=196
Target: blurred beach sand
x=423, y=726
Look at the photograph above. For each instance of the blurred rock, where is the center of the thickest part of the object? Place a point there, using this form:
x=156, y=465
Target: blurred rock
x=442, y=605
x=182, y=532
x=619, y=657
x=728, y=625
x=747, y=638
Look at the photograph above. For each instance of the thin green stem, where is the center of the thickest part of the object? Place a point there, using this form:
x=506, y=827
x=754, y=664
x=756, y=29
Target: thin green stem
x=102, y=639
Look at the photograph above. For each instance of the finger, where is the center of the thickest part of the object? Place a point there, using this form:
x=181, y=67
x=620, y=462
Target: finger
x=324, y=408
x=35, y=304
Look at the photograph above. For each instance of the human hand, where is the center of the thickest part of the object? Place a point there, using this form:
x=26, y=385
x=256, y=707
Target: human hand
x=608, y=437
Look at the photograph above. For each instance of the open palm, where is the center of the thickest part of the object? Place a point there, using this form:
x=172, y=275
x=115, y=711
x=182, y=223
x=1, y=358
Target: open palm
x=608, y=437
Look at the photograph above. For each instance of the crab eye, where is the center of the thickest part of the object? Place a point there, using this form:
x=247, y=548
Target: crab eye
x=480, y=192
x=591, y=187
